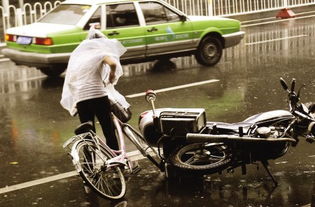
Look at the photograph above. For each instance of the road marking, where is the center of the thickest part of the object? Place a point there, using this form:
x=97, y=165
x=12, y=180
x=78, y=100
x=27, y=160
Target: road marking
x=174, y=88
x=33, y=78
x=4, y=59
x=276, y=21
x=37, y=182
x=272, y=18
x=274, y=40
x=133, y=155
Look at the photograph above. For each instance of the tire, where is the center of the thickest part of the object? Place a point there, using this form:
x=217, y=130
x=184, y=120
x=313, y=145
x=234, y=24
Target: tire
x=53, y=71
x=201, y=157
x=107, y=182
x=209, y=51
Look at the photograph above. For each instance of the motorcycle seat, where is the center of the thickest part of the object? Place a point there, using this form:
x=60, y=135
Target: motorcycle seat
x=226, y=128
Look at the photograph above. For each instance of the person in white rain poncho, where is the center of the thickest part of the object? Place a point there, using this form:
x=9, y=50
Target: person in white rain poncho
x=93, y=68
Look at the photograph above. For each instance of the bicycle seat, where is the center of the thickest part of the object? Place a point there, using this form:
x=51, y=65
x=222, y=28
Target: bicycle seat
x=84, y=127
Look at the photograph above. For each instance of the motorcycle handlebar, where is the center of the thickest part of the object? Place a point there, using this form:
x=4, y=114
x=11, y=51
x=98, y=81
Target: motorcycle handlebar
x=284, y=84
x=194, y=138
x=150, y=96
x=293, y=82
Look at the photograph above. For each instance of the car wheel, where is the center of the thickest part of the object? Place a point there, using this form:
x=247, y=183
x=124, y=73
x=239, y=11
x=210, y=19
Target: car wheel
x=53, y=71
x=209, y=51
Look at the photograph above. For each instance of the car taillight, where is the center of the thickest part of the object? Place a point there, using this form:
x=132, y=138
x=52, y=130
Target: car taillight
x=43, y=41
x=9, y=37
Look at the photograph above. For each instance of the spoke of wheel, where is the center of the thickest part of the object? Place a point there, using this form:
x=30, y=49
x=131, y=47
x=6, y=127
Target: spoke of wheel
x=215, y=157
x=86, y=162
x=102, y=186
x=97, y=182
x=108, y=187
x=190, y=160
x=93, y=175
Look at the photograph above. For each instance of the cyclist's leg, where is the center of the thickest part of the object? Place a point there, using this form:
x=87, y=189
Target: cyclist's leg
x=102, y=112
x=86, y=111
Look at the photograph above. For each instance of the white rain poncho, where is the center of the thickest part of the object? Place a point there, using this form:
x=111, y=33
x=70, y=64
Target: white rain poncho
x=87, y=76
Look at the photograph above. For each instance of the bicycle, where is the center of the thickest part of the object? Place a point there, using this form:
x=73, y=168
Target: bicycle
x=101, y=167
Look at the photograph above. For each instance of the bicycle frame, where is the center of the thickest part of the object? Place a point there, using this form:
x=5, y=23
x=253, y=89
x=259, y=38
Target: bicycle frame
x=119, y=157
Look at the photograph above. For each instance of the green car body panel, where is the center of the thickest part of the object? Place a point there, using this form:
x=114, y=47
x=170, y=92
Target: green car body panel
x=144, y=41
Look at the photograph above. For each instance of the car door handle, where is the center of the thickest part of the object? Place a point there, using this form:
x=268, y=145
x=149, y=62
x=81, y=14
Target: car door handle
x=153, y=29
x=113, y=33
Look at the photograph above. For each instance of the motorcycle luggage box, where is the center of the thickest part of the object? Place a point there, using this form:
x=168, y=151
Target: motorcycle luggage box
x=179, y=122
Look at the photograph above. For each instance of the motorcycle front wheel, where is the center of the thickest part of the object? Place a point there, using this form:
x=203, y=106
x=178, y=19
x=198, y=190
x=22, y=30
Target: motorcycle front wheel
x=201, y=157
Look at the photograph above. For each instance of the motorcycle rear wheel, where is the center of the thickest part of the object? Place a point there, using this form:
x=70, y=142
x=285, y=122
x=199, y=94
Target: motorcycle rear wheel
x=201, y=157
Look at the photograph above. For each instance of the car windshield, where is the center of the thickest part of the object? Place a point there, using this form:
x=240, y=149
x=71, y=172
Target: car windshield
x=65, y=14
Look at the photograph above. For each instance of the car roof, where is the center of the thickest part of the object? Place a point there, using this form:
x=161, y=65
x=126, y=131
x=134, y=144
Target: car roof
x=93, y=2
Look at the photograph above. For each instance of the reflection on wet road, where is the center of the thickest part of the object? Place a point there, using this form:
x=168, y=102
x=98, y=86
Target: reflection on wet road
x=34, y=126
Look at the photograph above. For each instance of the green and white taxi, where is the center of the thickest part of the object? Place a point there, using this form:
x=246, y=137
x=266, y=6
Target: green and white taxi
x=149, y=29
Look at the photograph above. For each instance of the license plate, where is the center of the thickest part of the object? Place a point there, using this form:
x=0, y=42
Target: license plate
x=24, y=40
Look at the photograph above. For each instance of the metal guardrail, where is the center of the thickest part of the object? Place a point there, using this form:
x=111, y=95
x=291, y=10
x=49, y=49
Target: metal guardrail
x=241, y=7
x=12, y=16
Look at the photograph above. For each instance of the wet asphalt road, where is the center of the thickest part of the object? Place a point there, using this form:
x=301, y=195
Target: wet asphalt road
x=34, y=126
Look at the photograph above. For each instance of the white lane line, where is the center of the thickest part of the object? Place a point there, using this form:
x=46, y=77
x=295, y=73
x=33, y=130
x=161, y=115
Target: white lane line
x=175, y=88
x=276, y=21
x=274, y=40
x=272, y=18
x=133, y=155
x=4, y=59
x=37, y=182
x=33, y=78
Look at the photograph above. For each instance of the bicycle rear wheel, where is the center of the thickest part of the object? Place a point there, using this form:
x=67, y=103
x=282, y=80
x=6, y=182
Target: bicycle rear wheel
x=108, y=182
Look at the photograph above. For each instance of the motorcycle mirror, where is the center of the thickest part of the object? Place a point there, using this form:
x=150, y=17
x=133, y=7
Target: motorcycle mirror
x=150, y=96
x=293, y=84
x=311, y=108
x=299, y=92
x=284, y=84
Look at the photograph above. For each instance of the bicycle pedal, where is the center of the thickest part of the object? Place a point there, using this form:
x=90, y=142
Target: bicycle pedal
x=136, y=170
x=133, y=171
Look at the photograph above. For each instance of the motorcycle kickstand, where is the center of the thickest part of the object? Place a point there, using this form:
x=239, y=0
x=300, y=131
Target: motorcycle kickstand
x=265, y=164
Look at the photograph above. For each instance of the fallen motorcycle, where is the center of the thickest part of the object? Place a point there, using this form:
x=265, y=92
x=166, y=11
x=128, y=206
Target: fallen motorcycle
x=188, y=143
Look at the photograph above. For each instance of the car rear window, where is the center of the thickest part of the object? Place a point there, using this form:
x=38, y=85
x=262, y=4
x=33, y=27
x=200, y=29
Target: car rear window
x=65, y=14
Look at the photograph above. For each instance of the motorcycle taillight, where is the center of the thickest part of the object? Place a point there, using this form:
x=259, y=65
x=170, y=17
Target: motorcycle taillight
x=143, y=114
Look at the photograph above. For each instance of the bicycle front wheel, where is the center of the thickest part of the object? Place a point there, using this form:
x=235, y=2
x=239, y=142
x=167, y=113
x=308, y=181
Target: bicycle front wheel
x=107, y=181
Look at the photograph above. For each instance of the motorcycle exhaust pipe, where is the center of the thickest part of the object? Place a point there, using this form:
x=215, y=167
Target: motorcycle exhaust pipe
x=193, y=138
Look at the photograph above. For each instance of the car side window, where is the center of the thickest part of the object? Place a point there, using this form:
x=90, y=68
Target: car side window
x=155, y=13
x=96, y=18
x=121, y=15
